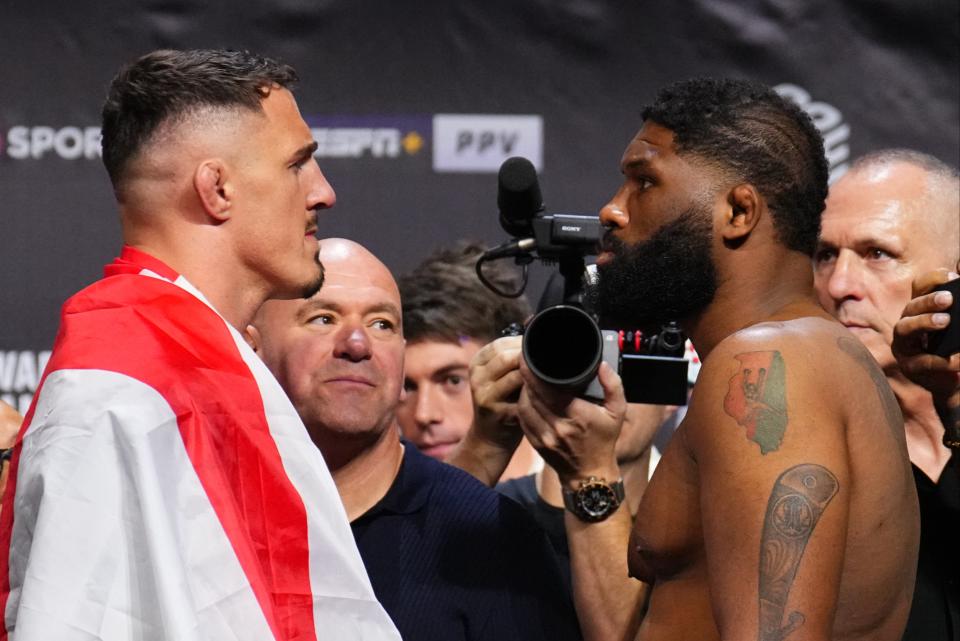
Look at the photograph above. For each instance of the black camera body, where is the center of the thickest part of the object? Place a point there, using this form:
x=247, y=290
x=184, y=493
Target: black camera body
x=563, y=344
x=946, y=341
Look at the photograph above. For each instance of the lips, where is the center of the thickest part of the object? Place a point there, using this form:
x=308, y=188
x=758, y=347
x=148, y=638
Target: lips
x=351, y=380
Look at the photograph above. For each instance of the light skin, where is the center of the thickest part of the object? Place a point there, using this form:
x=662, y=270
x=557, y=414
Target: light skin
x=229, y=198
x=882, y=229
x=339, y=357
x=437, y=410
x=775, y=451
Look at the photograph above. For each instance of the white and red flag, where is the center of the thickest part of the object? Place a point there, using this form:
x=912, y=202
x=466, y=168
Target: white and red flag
x=163, y=486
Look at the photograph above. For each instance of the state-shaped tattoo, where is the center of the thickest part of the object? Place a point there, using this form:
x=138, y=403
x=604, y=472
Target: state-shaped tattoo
x=799, y=497
x=757, y=398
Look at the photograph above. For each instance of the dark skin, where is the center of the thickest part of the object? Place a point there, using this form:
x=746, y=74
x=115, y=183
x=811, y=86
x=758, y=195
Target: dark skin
x=784, y=507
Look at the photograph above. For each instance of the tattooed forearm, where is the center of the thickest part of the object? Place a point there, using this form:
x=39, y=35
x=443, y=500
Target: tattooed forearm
x=757, y=398
x=799, y=497
x=891, y=409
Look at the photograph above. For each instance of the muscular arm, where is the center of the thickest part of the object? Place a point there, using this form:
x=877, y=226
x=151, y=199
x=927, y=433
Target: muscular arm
x=577, y=437
x=774, y=494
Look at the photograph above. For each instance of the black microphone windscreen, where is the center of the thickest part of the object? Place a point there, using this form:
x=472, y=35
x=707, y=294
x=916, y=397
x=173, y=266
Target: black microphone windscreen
x=518, y=195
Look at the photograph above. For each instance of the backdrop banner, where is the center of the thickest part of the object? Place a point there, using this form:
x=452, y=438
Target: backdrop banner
x=415, y=105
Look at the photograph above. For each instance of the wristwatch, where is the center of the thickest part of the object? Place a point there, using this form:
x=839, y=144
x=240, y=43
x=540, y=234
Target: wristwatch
x=595, y=499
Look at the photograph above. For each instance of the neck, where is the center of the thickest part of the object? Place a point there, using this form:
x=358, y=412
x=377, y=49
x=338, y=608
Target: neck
x=634, y=474
x=922, y=426
x=201, y=255
x=365, y=477
x=745, y=296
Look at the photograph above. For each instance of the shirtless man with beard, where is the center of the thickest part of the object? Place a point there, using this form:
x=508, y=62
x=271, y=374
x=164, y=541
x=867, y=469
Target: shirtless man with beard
x=784, y=506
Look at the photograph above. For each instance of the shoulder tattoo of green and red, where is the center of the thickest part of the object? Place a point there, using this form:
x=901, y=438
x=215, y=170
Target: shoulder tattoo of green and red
x=757, y=398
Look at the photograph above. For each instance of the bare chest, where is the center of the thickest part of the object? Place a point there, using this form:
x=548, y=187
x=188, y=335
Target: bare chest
x=668, y=537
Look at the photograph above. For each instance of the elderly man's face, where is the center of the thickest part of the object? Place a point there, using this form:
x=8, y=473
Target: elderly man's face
x=339, y=354
x=874, y=240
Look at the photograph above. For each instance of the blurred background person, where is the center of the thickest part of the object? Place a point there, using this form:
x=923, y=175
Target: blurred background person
x=448, y=315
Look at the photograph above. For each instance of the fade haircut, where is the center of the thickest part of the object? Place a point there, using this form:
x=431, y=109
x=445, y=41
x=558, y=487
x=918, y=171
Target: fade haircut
x=167, y=86
x=752, y=134
x=443, y=300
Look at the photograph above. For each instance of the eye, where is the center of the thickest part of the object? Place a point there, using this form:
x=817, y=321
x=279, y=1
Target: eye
x=383, y=324
x=321, y=319
x=875, y=253
x=825, y=255
x=409, y=386
x=455, y=382
x=644, y=183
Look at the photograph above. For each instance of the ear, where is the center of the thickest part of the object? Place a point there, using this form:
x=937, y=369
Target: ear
x=746, y=207
x=252, y=335
x=213, y=188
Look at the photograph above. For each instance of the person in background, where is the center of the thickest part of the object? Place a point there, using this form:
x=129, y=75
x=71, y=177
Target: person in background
x=449, y=558
x=448, y=315
x=893, y=217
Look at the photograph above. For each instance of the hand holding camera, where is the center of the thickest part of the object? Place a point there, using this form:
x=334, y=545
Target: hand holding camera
x=926, y=344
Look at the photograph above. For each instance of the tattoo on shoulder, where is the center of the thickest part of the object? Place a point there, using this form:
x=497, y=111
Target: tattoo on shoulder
x=891, y=409
x=757, y=398
x=799, y=497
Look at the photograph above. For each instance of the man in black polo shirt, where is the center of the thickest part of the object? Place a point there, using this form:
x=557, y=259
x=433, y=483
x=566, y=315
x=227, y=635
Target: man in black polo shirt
x=448, y=558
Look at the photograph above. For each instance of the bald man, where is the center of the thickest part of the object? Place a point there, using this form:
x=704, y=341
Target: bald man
x=163, y=486
x=893, y=217
x=449, y=558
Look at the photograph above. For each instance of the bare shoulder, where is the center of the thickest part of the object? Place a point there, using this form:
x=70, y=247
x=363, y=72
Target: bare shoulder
x=803, y=375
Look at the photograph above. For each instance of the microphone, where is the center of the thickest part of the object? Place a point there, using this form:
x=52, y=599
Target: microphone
x=518, y=196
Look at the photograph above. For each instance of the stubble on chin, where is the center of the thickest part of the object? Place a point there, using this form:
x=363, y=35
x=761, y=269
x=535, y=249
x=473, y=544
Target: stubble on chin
x=314, y=286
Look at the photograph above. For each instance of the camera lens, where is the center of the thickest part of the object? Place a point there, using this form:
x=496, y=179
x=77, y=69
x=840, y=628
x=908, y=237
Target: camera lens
x=563, y=346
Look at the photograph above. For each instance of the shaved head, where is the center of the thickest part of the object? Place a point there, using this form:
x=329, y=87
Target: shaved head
x=339, y=353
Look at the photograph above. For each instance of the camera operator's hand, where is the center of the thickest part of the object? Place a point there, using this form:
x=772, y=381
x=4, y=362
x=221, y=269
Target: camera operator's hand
x=939, y=375
x=575, y=436
x=495, y=382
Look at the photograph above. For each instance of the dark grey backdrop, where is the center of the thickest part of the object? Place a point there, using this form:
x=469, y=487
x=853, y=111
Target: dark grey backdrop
x=876, y=73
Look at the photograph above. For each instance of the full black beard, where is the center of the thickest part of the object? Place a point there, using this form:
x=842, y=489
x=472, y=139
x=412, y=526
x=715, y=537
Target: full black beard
x=668, y=277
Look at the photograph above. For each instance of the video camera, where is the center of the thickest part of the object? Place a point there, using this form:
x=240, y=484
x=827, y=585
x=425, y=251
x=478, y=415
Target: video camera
x=563, y=343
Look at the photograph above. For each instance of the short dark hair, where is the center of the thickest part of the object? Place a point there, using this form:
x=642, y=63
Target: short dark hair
x=444, y=300
x=751, y=133
x=165, y=85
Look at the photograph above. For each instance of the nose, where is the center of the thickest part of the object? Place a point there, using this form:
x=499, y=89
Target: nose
x=614, y=213
x=321, y=194
x=427, y=408
x=844, y=279
x=352, y=344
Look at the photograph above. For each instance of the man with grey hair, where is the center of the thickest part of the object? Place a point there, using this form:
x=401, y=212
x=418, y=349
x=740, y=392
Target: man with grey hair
x=893, y=217
x=163, y=486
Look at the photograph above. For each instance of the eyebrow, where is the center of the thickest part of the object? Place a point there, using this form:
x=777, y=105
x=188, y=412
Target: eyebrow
x=379, y=308
x=305, y=152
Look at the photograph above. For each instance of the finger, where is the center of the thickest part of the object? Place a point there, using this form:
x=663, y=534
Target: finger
x=614, y=399
x=489, y=351
x=909, y=329
x=923, y=283
x=505, y=387
x=932, y=302
x=926, y=364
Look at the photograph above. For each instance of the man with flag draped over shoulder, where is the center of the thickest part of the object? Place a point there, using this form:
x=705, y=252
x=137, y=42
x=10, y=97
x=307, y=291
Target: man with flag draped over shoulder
x=162, y=485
